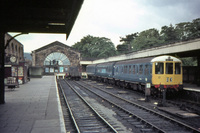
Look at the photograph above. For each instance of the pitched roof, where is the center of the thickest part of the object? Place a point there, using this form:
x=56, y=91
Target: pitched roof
x=56, y=43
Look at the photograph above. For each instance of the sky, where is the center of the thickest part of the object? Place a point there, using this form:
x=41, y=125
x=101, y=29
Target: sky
x=117, y=18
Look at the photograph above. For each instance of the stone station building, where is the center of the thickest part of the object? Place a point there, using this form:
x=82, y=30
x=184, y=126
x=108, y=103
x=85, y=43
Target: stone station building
x=55, y=57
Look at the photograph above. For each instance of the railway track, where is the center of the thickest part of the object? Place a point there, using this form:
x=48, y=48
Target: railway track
x=141, y=117
x=85, y=118
x=186, y=105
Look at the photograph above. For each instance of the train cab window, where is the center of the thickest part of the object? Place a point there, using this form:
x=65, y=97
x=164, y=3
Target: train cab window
x=169, y=68
x=130, y=69
x=159, y=68
x=133, y=69
x=141, y=69
x=177, y=68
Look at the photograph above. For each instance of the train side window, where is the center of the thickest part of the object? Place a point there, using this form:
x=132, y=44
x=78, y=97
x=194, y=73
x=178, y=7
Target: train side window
x=129, y=69
x=169, y=68
x=150, y=68
x=137, y=69
x=177, y=68
x=141, y=69
x=159, y=68
x=117, y=69
x=109, y=69
x=133, y=69
x=122, y=69
x=125, y=69
x=146, y=71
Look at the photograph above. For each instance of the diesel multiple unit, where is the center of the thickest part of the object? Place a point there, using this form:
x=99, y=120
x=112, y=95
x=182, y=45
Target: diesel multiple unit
x=162, y=72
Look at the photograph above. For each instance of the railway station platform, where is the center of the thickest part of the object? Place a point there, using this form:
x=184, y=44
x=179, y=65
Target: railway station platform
x=191, y=87
x=34, y=107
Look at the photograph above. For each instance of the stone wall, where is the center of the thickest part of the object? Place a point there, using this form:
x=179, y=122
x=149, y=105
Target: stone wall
x=40, y=54
x=14, y=48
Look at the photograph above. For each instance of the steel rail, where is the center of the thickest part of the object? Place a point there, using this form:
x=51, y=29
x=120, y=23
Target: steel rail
x=142, y=107
x=69, y=108
x=112, y=128
x=125, y=110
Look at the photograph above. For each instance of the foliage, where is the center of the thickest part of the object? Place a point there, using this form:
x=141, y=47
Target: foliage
x=168, y=33
x=189, y=61
x=147, y=39
x=95, y=47
x=182, y=30
x=126, y=43
x=152, y=37
x=194, y=29
x=121, y=49
x=101, y=47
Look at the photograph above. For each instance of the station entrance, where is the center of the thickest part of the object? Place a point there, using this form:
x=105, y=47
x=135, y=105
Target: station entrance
x=54, y=58
x=56, y=63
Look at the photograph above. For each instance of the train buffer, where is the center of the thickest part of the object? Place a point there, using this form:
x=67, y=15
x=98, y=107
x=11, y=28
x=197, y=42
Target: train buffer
x=58, y=75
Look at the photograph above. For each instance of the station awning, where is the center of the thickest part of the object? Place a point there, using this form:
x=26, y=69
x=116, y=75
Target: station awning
x=39, y=16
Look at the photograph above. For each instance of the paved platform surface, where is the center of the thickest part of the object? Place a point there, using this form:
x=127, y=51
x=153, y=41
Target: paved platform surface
x=32, y=108
x=191, y=87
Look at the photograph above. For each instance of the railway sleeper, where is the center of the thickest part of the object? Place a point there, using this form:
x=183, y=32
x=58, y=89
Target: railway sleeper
x=146, y=130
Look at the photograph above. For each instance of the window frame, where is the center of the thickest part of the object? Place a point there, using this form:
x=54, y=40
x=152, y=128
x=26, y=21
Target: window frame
x=162, y=68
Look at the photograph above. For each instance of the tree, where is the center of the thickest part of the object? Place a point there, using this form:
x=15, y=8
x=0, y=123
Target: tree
x=121, y=48
x=169, y=33
x=126, y=45
x=195, y=28
x=147, y=39
x=95, y=47
x=182, y=30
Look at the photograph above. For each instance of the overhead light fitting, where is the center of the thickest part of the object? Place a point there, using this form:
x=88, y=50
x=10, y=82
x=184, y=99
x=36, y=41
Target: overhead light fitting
x=56, y=23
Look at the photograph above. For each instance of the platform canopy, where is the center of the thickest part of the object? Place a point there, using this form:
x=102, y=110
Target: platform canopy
x=39, y=16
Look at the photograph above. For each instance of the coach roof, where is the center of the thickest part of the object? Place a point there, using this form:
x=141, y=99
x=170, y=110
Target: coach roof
x=165, y=58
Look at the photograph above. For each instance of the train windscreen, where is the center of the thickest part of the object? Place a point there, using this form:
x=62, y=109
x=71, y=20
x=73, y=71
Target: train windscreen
x=169, y=68
x=177, y=68
x=159, y=68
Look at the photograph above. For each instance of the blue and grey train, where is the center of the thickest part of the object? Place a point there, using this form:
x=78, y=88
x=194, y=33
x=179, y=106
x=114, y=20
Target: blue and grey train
x=159, y=72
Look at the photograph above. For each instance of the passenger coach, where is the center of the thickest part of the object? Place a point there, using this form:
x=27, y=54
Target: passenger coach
x=159, y=72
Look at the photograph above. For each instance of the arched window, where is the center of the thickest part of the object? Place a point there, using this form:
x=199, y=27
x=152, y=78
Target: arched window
x=16, y=49
x=21, y=54
x=56, y=58
x=13, y=48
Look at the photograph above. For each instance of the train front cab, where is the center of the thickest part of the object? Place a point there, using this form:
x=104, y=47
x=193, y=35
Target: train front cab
x=167, y=74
